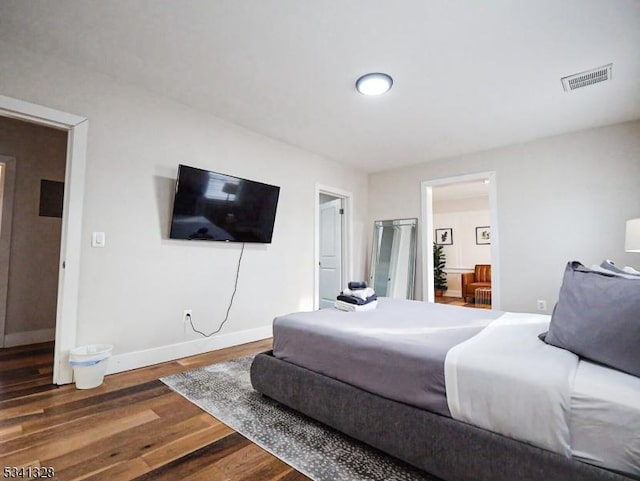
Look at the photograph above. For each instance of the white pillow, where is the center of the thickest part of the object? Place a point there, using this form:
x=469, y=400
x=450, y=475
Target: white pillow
x=608, y=267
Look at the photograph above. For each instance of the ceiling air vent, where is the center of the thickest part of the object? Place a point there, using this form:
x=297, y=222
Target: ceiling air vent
x=584, y=79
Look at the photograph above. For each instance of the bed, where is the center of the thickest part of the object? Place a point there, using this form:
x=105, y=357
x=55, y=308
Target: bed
x=464, y=394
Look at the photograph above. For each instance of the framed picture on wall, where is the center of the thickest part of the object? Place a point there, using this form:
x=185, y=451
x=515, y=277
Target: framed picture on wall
x=444, y=237
x=483, y=235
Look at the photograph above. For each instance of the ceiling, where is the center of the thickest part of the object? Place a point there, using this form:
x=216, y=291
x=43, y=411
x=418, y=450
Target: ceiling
x=468, y=75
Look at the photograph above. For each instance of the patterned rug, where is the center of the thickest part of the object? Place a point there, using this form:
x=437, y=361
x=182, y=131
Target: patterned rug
x=321, y=453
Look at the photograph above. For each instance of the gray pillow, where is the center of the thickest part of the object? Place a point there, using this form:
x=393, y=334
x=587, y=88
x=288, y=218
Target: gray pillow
x=598, y=317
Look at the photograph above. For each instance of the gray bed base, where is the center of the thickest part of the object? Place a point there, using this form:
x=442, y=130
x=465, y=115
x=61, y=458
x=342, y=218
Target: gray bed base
x=441, y=446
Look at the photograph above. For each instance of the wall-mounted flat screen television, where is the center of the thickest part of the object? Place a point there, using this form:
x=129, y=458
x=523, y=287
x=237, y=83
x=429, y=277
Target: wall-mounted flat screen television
x=219, y=207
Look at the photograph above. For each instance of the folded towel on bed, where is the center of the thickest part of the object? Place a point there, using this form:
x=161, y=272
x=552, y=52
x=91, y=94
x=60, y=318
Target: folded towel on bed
x=357, y=300
x=361, y=293
x=345, y=306
x=357, y=285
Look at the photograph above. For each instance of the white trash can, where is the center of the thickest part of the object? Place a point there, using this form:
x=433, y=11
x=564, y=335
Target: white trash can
x=90, y=364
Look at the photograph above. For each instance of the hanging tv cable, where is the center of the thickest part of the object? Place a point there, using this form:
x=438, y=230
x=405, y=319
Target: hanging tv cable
x=226, y=317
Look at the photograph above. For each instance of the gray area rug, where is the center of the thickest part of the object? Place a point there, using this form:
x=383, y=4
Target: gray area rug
x=323, y=454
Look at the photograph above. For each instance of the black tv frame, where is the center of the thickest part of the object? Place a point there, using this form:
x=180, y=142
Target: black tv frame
x=203, y=227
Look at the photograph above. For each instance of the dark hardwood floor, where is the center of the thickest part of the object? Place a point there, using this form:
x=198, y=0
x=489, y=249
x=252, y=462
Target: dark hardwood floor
x=26, y=370
x=133, y=427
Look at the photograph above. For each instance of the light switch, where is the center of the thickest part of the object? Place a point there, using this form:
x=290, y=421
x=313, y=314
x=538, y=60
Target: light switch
x=97, y=239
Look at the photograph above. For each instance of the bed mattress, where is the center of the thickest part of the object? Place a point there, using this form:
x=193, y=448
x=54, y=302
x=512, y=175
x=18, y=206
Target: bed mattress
x=485, y=368
x=439, y=445
x=396, y=351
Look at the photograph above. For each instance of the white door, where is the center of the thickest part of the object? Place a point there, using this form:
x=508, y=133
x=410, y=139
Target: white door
x=330, y=252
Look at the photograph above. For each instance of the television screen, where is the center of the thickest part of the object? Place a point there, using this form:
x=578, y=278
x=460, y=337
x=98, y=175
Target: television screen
x=218, y=207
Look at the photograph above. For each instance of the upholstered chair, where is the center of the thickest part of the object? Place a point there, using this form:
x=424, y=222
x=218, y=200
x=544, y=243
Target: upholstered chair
x=480, y=277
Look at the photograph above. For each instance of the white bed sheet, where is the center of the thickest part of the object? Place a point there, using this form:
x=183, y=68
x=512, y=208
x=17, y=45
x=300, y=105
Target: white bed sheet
x=508, y=381
x=605, y=418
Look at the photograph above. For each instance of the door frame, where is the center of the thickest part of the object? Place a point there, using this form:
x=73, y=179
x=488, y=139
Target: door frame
x=71, y=238
x=347, y=236
x=426, y=208
x=8, y=190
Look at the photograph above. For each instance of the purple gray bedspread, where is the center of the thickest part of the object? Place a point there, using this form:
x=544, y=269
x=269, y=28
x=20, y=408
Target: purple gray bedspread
x=364, y=349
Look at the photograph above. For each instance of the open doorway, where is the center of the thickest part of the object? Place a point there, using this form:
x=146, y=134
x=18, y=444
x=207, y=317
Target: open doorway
x=68, y=268
x=34, y=159
x=460, y=223
x=332, y=253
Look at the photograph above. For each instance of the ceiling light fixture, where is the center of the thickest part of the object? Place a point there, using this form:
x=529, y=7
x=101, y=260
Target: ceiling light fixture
x=374, y=83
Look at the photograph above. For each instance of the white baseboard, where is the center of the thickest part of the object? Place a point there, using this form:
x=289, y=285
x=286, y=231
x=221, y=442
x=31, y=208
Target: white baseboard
x=25, y=338
x=452, y=293
x=171, y=352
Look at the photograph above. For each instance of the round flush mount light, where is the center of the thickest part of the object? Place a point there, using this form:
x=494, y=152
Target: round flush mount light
x=374, y=83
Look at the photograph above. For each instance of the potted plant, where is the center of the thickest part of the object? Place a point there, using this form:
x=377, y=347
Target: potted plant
x=439, y=275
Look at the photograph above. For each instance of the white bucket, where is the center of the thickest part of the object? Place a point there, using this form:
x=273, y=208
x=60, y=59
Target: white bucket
x=90, y=364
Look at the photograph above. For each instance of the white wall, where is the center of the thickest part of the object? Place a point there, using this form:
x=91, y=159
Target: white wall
x=134, y=290
x=464, y=253
x=463, y=216
x=559, y=199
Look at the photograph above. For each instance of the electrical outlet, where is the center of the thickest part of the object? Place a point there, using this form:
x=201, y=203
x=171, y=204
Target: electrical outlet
x=542, y=305
x=187, y=315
